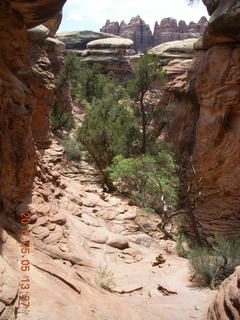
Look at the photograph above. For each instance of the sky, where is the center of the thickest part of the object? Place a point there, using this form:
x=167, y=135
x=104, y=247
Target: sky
x=92, y=14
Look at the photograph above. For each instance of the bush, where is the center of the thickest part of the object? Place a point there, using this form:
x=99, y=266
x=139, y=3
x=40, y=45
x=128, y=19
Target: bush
x=180, y=246
x=146, y=179
x=61, y=120
x=216, y=263
x=85, y=82
x=108, y=128
x=72, y=149
x=104, y=278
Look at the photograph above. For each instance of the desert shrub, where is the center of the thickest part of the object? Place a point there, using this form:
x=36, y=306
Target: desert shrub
x=85, y=82
x=61, y=120
x=104, y=278
x=215, y=263
x=72, y=148
x=180, y=247
x=146, y=179
x=108, y=128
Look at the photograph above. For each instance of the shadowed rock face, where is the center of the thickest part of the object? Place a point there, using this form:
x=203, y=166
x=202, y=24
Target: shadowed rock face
x=224, y=23
x=207, y=120
x=37, y=12
x=211, y=5
x=26, y=90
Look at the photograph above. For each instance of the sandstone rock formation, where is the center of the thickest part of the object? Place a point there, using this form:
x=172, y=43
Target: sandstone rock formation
x=167, y=30
x=110, y=53
x=77, y=40
x=205, y=125
x=27, y=91
x=227, y=302
x=219, y=32
x=136, y=30
x=76, y=229
x=179, y=49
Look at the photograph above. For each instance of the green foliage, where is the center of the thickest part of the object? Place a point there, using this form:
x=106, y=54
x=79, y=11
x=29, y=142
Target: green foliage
x=217, y=262
x=109, y=126
x=70, y=72
x=61, y=120
x=145, y=73
x=146, y=179
x=85, y=82
x=105, y=278
x=72, y=148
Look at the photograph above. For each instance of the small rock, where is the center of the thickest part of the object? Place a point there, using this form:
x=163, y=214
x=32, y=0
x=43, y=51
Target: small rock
x=99, y=236
x=54, y=236
x=41, y=232
x=52, y=227
x=66, y=233
x=63, y=247
x=117, y=241
x=59, y=218
x=3, y=235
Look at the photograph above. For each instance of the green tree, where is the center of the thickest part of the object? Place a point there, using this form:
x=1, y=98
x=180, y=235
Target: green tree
x=149, y=180
x=70, y=73
x=85, y=82
x=145, y=74
x=109, y=128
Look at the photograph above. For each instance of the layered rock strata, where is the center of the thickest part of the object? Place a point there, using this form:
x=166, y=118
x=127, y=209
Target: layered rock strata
x=27, y=91
x=206, y=124
x=179, y=49
x=136, y=30
x=77, y=40
x=167, y=30
x=110, y=53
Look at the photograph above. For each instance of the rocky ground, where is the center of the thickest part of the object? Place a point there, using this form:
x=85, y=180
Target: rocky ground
x=82, y=239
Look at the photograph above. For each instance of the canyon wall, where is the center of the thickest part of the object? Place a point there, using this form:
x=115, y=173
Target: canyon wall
x=167, y=30
x=26, y=95
x=206, y=122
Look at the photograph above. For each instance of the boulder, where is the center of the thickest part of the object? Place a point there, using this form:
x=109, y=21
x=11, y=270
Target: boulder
x=52, y=44
x=227, y=302
x=117, y=241
x=38, y=33
x=78, y=40
x=179, y=49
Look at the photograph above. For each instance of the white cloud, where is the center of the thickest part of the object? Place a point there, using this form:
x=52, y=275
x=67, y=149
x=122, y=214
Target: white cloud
x=93, y=13
x=74, y=16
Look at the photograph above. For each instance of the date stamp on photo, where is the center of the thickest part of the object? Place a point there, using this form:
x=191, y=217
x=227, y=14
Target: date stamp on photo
x=24, y=286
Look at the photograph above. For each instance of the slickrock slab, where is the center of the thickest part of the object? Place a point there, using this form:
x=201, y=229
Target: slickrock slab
x=110, y=43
